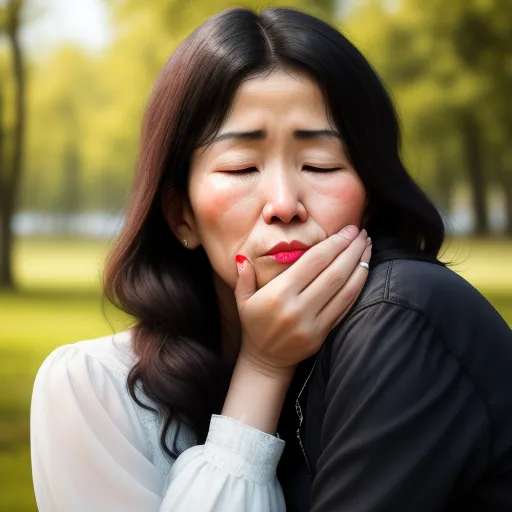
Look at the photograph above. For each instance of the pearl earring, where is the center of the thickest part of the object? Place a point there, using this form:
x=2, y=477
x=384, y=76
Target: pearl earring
x=185, y=243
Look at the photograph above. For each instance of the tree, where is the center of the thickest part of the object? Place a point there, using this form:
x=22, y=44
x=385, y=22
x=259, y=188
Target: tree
x=12, y=168
x=482, y=40
x=449, y=65
x=66, y=133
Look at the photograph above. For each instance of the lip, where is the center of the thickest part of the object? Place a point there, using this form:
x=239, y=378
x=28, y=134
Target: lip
x=287, y=257
x=287, y=252
x=283, y=247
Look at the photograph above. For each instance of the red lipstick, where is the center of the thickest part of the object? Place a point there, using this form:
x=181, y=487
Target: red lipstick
x=287, y=252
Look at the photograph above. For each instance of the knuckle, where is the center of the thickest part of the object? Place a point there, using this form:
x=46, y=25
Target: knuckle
x=288, y=321
x=318, y=260
x=275, y=303
x=302, y=336
x=367, y=254
x=340, y=241
x=290, y=317
x=350, y=296
x=334, y=280
x=359, y=243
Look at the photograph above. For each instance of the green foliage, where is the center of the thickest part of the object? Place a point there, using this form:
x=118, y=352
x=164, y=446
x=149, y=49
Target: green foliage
x=85, y=111
x=444, y=60
x=441, y=60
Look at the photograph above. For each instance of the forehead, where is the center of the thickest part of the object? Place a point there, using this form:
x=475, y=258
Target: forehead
x=278, y=97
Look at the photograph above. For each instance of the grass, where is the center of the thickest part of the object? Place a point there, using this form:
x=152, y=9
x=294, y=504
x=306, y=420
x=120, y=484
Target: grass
x=487, y=264
x=59, y=302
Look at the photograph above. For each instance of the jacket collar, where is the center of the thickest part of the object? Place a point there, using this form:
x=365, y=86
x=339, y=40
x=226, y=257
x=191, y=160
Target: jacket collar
x=387, y=247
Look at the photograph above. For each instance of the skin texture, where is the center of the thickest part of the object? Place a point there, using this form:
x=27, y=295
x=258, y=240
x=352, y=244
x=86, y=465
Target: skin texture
x=279, y=198
x=247, y=213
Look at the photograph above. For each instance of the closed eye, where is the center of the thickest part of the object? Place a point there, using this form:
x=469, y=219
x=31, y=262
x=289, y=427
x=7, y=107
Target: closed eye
x=247, y=170
x=310, y=168
x=321, y=169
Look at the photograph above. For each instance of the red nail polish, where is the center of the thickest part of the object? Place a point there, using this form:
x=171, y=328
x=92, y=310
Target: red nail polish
x=239, y=258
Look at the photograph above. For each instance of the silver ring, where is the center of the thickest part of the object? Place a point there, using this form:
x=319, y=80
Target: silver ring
x=364, y=265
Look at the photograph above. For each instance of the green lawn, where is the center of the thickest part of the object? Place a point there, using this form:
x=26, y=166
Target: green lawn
x=487, y=264
x=59, y=302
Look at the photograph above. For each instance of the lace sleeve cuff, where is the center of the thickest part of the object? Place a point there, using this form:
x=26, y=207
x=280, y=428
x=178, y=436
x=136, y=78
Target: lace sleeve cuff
x=241, y=450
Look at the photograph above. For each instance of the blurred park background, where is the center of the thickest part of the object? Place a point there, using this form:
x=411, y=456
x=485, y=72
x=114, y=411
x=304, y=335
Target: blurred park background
x=74, y=79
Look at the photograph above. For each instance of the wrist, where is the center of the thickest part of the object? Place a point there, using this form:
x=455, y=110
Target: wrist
x=257, y=365
x=256, y=393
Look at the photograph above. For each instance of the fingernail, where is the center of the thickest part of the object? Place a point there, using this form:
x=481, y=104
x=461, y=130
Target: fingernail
x=240, y=259
x=368, y=241
x=349, y=232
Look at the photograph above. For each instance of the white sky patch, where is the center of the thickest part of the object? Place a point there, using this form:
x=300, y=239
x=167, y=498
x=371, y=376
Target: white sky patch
x=50, y=23
x=86, y=23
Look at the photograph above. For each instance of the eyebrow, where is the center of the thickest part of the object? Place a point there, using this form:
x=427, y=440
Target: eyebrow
x=261, y=134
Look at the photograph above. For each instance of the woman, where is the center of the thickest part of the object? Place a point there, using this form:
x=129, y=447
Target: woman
x=269, y=150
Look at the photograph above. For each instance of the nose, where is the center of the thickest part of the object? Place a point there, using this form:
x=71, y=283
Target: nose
x=283, y=202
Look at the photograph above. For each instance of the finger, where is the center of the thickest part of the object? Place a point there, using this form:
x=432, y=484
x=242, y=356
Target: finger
x=246, y=284
x=334, y=277
x=315, y=260
x=338, y=307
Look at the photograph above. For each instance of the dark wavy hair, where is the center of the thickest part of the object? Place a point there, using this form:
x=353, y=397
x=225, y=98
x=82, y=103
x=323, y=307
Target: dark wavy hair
x=169, y=290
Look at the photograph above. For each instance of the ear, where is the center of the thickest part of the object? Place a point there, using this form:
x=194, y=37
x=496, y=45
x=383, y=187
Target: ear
x=180, y=218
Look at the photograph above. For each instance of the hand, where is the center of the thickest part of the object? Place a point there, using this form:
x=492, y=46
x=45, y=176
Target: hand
x=287, y=320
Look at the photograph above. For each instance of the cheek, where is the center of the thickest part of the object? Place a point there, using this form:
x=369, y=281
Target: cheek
x=342, y=203
x=224, y=216
x=216, y=203
x=351, y=195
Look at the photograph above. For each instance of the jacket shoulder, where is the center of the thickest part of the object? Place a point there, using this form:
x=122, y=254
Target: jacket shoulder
x=459, y=313
x=420, y=285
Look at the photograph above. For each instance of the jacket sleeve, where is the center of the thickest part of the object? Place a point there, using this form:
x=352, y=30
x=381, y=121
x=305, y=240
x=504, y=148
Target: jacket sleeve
x=89, y=452
x=403, y=420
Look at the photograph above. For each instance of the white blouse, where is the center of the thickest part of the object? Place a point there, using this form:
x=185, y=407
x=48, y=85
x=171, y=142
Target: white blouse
x=94, y=449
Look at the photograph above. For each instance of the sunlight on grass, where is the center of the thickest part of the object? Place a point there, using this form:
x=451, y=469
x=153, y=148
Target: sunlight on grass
x=75, y=264
x=486, y=264
x=59, y=263
x=58, y=302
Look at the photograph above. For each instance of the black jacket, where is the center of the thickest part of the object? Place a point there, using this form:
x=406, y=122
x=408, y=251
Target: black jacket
x=408, y=406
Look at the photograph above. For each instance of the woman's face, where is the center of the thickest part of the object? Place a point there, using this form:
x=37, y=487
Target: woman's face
x=276, y=172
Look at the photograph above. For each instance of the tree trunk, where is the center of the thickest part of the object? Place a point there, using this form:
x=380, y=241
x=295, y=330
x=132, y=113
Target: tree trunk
x=444, y=184
x=504, y=175
x=6, y=274
x=6, y=279
x=507, y=188
x=472, y=148
x=11, y=183
x=5, y=253
x=70, y=201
